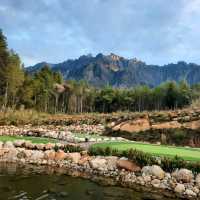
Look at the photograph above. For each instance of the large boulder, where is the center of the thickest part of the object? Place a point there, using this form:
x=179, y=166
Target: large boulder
x=74, y=157
x=60, y=155
x=128, y=165
x=154, y=170
x=98, y=163
x=183, y=175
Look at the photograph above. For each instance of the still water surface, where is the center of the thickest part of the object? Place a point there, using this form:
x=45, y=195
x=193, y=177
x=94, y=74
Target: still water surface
x=18, y=183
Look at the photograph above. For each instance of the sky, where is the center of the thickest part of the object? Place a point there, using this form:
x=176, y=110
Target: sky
x=154, y=31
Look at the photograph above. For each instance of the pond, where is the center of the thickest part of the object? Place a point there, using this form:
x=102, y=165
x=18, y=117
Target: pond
x=33, y=183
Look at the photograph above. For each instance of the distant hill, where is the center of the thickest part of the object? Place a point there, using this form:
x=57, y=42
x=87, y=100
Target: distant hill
x=117, y=71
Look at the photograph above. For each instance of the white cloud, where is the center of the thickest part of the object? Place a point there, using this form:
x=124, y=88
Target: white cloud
x=158, y=31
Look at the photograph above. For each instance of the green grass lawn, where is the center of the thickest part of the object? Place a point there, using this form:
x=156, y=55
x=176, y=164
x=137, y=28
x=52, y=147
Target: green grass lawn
x=190, y=154
x=36, y=140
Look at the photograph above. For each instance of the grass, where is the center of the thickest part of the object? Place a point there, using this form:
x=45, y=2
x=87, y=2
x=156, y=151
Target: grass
x=36, y=140
x=22, y=117
x=190, y=154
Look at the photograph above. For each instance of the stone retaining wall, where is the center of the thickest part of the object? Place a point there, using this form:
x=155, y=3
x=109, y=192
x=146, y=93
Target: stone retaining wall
x=112, y=170
x=168, y=127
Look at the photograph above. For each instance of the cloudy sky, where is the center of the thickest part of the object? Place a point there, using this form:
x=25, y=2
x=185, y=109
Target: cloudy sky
x=155, y=31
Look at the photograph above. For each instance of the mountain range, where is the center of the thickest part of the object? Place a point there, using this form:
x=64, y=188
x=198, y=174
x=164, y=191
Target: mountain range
x=118, y=71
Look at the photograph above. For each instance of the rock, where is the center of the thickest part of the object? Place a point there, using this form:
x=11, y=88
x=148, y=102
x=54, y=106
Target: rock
x=74, y=157
x=128, y=165
x=195, y=190
x=184, y=175
x=167, y=125
x=3, y=151
x=8, y=145
x=37, y=155
x=147, y=179
x=18, y=143
x=29, y=145
x=190, y=193
x=49, y=146
x=180, y=188
x=197, y=180
x=155, y=183
x=40, y=146
x=60, y=155
x=154, y=170
x=84, y=159
x=28, y=153
x=137, y=125
x=11, y=155
x=111, y=162
x=49, y=155
x=98, y=163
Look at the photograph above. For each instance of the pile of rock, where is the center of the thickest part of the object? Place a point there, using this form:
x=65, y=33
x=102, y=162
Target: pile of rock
x=64, y=133
x=35, y=146
x=181, y=183
x=41, y=130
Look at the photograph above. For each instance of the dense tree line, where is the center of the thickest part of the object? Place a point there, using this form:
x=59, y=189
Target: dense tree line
x=46, y=91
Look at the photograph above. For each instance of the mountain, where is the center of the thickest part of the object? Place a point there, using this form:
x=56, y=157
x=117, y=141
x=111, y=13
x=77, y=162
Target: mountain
x=117, y=71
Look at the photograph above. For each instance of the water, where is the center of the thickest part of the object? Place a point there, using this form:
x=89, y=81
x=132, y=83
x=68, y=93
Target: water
x=17, y=183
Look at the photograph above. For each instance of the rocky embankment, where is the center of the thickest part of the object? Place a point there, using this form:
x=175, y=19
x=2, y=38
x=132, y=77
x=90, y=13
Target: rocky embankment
x=180, y=127
x=108, y=170
x=72, y=133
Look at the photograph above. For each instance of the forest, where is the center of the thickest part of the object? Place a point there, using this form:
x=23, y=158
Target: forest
x=46, y=91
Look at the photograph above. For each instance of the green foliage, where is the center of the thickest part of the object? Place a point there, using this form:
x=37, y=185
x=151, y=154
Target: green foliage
x=178, y=136
x=72, y=148
x=46, y=91
x=69, y=148
x=169, y=164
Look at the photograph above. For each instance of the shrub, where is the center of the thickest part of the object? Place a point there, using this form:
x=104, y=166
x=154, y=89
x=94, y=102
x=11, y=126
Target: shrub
x=69, y=148
x=72, y=148
x=142, y=159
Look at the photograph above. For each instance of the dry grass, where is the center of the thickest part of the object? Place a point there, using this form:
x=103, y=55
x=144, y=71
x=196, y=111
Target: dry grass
x=22, y=117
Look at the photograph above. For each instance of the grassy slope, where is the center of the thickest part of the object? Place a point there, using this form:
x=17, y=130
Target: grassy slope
x=192, y=154
x=32, y=139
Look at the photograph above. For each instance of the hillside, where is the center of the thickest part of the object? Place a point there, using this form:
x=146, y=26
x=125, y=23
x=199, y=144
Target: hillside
x=121, y=72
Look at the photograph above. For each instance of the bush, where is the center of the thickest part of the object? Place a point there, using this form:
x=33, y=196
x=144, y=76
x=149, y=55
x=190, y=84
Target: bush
x=69, y=148
x=138, y=157
x=72, y=148
x=142, y=159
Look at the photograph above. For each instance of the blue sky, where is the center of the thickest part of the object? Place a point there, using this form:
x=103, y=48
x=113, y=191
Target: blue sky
x=155, y=31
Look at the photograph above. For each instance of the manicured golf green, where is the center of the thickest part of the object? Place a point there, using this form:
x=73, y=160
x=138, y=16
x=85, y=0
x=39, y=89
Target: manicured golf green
x=36, y=140
x=191, y=154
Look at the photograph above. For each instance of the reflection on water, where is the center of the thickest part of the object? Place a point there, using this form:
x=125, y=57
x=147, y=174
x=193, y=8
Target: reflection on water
x=25, y=184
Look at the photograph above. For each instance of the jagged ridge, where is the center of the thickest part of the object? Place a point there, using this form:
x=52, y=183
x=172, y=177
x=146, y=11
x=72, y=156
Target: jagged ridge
x=121, y=72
